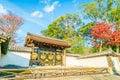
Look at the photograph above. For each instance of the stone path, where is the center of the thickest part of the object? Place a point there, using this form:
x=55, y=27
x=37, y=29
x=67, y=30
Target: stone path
x=84, y=77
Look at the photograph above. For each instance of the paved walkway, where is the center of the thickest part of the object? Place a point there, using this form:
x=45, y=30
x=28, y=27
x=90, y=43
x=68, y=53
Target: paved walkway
x=82, y=77
x=85, y=77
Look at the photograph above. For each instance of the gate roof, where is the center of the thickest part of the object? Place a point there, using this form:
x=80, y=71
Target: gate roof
x=41, y=41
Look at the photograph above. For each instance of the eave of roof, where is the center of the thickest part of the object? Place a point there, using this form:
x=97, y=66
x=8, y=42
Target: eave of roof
x=48, y=40
x=73, y=55
x=2, y=37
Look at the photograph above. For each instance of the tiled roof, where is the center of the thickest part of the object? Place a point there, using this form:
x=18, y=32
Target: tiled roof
x=3, y=37
x=73, y=55
x=47, y=40
x=103, y=53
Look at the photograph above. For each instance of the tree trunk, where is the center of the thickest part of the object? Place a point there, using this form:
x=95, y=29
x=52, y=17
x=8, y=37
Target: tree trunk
x=101, y=43
x=117, y=48
x=109, y=47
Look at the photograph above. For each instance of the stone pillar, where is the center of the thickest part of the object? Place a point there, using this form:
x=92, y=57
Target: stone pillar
x=63, y=58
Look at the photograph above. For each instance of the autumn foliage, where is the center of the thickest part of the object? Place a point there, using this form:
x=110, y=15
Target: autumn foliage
x=104, y=34
x=101, y=31
x=9, y=24
x=115, y=39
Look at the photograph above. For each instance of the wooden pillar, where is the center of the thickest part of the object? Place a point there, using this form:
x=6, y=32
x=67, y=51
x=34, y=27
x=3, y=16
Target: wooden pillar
x=63, y=57
x=30, y=63
x=33, y=47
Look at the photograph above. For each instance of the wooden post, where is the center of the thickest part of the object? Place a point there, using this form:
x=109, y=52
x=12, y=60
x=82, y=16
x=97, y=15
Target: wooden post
x=30, y=63
x=33, y=47
x=63, y=57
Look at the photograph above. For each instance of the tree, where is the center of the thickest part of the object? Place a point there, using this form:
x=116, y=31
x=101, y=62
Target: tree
x=115, y=39
x=100, y=10
x=9, y=24
x=66, y=28
x=86, y=29
x=54, y=31
x=101, y=34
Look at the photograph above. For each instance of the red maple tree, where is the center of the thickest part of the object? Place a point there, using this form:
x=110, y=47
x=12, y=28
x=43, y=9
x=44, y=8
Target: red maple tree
x=101, y=32
x=115, y=39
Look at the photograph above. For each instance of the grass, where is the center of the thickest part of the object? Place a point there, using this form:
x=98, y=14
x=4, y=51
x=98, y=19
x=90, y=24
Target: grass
x=14, y=72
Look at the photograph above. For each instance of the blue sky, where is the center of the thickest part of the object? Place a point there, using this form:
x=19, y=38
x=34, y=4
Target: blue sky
x=38, y=14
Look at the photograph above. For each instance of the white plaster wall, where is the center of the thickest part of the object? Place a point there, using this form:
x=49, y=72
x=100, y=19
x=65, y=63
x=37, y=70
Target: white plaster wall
x=72, y=61
x=22, y=54
x=15, y=58
x=88, y=62
x=116, y=63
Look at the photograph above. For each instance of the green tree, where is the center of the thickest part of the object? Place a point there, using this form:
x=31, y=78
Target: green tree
x=53, y=31
x=66, y=28
x=86, y=29
x=99, y=10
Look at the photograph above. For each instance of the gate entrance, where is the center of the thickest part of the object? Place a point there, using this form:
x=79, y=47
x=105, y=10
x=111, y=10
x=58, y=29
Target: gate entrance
x=46, y=51
x=46, y=58
x=50, y=58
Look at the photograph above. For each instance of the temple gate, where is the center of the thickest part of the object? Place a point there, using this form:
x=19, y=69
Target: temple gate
x=46, y=51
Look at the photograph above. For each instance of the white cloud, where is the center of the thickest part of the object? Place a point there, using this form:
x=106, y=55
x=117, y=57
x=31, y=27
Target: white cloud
x=18, y=11
x=3, y=10
x=50, y=8
x=37, y=14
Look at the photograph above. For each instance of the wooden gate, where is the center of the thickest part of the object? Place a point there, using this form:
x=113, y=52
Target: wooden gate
x=53, y=50
x=50, y=58
x=47, y=58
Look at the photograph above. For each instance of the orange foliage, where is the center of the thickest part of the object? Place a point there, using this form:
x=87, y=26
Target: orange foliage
x=101, y=30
